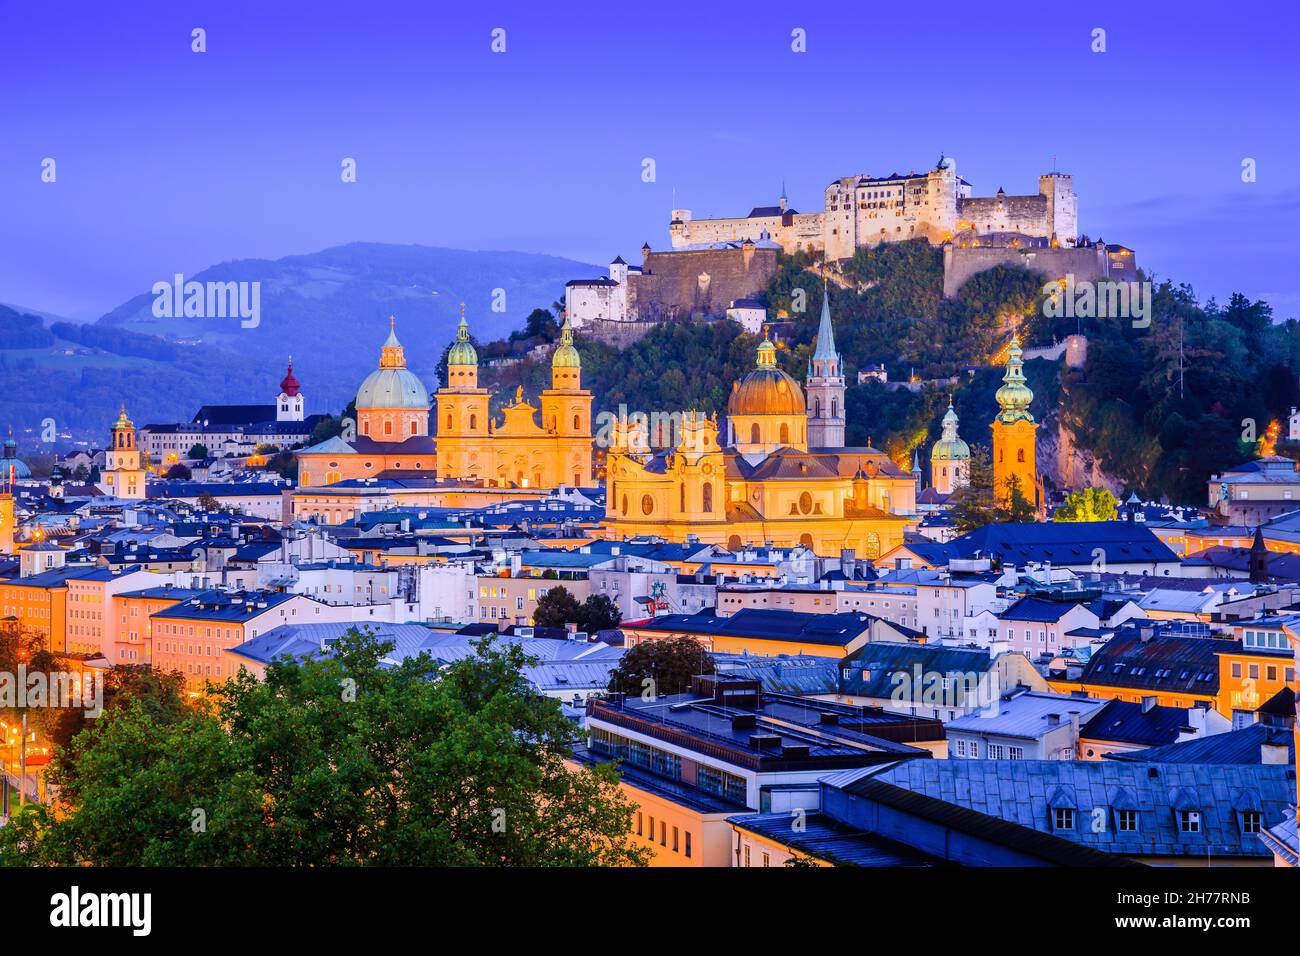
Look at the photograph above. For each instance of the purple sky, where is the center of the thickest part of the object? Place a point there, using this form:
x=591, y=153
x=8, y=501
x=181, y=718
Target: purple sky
x=170, y=161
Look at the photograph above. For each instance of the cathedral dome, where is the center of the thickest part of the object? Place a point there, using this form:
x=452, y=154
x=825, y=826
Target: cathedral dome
x=767, y=390
x=11, y=460
x=392, y=385
x=392, y=388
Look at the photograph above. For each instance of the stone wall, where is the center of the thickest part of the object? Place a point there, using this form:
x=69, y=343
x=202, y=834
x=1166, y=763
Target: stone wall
x=685, y=283
x=1088, y=264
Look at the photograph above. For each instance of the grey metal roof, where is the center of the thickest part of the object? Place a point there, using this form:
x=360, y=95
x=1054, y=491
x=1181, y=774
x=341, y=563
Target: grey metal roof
x=1027, y=715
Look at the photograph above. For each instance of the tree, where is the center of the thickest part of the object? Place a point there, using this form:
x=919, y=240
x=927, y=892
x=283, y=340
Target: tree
x=556, y=608
x=661, y=667
x=198, y=450
x=973, y=506
x=1090, y=504
x=598, y=613
x=179, y=471
x=208, y=503
x=335, y=761
x=1015, y=506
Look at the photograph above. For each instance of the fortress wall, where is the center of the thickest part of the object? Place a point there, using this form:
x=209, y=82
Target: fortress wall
x=1027, y=214
x=1086, y=265
x=677, y=285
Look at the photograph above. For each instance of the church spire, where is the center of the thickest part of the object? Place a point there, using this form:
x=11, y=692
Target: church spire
x=391, y=354
x=826, y=331
x=1014, y=396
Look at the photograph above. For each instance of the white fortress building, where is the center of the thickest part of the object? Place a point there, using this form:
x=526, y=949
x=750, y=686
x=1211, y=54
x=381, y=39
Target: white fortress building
x=866, y=210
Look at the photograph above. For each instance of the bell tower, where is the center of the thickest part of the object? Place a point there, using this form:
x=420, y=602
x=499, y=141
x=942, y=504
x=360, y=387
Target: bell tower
x=566, y=413
x=1014, y=434
x=462, y=412
x=123, y=477
x=825, y=386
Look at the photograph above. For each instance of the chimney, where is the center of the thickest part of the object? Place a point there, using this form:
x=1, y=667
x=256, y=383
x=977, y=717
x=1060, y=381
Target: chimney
x=1053, y=720
x=1274, y=754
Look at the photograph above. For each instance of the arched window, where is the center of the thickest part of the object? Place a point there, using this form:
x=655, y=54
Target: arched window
x=806, y=540
x=753, y=433
x=625, y=504
x=835, y=408
x=1020, y=455
x=708, y=497
x=577, y=422
x=785, y=434
x=733, y=543
x=449, y=420
x=817, y=408
x=473, y=422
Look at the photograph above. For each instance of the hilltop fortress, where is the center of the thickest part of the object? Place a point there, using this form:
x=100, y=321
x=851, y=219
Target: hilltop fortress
x=868, y=210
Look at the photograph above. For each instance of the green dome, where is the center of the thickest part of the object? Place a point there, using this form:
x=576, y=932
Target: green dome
x=1014, y=396
x=462, y=351
x=566, y=356
x=392, y=388
x=949, y=447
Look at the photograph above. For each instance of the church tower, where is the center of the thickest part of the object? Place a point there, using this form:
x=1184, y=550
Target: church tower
x=566, y=413
x=288, y=405
x=825, y=388
x=1014, y=434
x=950, y=457
x=123, y=477
x=462, y=410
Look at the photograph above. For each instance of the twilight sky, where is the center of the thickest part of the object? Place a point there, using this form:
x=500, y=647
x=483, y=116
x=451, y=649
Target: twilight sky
x=170, y=161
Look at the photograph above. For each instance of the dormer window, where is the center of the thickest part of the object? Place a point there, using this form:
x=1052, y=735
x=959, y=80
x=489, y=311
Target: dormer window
x=1126, y=821
x=1189, y=821
x=1063, y=818
x=1251, y=821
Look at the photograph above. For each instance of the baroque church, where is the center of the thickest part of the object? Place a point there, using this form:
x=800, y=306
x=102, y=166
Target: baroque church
x=783, y=475
x=391, y=437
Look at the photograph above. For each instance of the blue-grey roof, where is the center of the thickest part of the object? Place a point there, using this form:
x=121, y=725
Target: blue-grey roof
x=828, y=839
x=1164, y=662
x=1282, y=840
x=1233, y=747
x=1126, y=721
x=835, y=630
x=1038, y=609
x=1064, y=543
x=1025, y=792
x=1029, y=715
x=871, y=670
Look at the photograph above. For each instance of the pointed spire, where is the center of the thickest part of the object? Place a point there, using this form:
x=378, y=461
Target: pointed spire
x=825, y=330
x=1014, y=396
x=391, y=354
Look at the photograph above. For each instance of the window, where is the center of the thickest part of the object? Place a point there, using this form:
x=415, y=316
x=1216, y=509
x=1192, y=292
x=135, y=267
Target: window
x=708, y=497
x=688, y=844
x=1250, y=821
x=1189, y=821
x=1063, y=818
x=996, y=751
x=1016, y=753
x=753, y=440
x=1126, y=821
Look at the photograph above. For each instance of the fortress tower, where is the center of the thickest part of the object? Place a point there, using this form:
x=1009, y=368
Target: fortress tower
x=123, y=477
x=1062, y=207
x=825, y=386
x=1014, y=434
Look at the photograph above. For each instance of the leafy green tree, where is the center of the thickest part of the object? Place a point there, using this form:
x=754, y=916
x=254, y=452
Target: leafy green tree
x=598, y=613
x=335, y=761
x=1015, y=506
x=973, y=506
x=661, y=667
x=1089, y=504
x=179, y=471
x=197, y=450
x=556, y=608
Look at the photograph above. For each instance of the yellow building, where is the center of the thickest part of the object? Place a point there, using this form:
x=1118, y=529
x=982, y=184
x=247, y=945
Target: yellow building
x=123, y=475
x=1014, y=435
x=765, y=487
x=7, y=523
x=392, y=437
x=519, y=450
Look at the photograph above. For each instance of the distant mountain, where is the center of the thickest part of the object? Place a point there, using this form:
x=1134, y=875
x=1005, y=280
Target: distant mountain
x=327, y=309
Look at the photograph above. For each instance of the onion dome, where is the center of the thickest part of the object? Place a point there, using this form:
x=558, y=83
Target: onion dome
x=10, y=460
x=462, y=351
x=122, y=420
x=392, y=385
x=566, y=356
x=949, y=447
x=289, y=385
x=1014, y=396
x=767, y=390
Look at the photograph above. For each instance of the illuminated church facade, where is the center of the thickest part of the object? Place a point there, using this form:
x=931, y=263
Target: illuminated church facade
x=393, y=438
x=766, y=482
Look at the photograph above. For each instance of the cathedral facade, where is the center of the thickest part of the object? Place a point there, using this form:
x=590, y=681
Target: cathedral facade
x=394, y=437
x=780, y=475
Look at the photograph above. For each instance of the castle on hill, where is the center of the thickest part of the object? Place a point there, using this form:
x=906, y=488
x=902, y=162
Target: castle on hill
x=867, y=210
